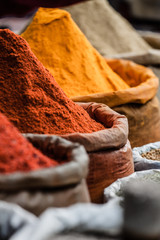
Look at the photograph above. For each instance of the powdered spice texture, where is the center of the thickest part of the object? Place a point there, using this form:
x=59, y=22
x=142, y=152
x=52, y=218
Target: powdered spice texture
x=106, y=29
x=64, y=50
x=153, y=154
x=31, y=98
x=16, y=153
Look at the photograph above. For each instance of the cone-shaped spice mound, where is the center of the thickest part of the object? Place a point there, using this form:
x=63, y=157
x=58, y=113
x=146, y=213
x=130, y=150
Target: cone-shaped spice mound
x=63, y=49
x=16, y=153
x=31, y=98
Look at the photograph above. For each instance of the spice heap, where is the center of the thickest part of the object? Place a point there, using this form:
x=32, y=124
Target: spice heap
x=106, y=29
x=31, y=98
x=154, y=154
x=63, y=49
x=16, y=153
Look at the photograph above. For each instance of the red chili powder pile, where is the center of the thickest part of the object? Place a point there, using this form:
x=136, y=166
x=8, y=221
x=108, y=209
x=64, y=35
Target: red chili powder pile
x=16, y=153
x=31, y=98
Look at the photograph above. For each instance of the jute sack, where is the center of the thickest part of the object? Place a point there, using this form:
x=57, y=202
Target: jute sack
x=151, y=57
x=106, y=29
x=112, y=35
x=152, y=38
x=109, y=150
x=51, y=187
x=144, y=121
x=137, y=103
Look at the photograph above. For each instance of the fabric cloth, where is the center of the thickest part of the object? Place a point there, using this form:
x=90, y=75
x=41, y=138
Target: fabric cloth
x=104, y=219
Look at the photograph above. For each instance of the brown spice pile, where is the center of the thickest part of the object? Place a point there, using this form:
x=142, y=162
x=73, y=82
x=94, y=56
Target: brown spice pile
x=154, y=154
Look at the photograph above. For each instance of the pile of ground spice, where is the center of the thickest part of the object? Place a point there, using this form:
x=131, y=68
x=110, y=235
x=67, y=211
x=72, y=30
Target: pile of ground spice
x=153, y=154
x=31, y=98
x=63, y=49
x=106, y=29
x=16, y=153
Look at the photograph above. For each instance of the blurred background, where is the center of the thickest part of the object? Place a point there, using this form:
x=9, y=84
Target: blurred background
x=142, y=14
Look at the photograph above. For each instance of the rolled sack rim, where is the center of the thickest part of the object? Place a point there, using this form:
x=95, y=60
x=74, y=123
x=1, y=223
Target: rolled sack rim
x=67, y=174
x=116, y=188
x=113, y=137
x=142, y=93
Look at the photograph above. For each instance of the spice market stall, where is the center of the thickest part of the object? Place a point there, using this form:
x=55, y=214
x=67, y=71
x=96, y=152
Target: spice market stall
x=36, y=181
x=110, y=33
x=114, y=37
x=37, y=104
x=86, y=76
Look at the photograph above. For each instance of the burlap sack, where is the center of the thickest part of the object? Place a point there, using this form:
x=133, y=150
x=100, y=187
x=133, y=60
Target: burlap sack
x=136, y=103
x=109, y=151
x=150, y=57
x=106, y=29
x=156, y=71
x=142, y=81
x=58, y=187
x=144, y=121
x=112, y=35
x=152, y=38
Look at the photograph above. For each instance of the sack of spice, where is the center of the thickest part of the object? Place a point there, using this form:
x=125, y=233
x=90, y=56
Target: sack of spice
x=116, y=83
x=36, y=181
x=37, y=104
x=12, y=219
x=109, y=150
x=104, y=219
x=147, y=157
x=139, y=196
x=117, y=189
x=142, y=111
x=137, y=103
x=134, y=212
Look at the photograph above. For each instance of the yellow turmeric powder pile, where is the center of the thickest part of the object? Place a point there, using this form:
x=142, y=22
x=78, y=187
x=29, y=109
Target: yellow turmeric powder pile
x=63, y=49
